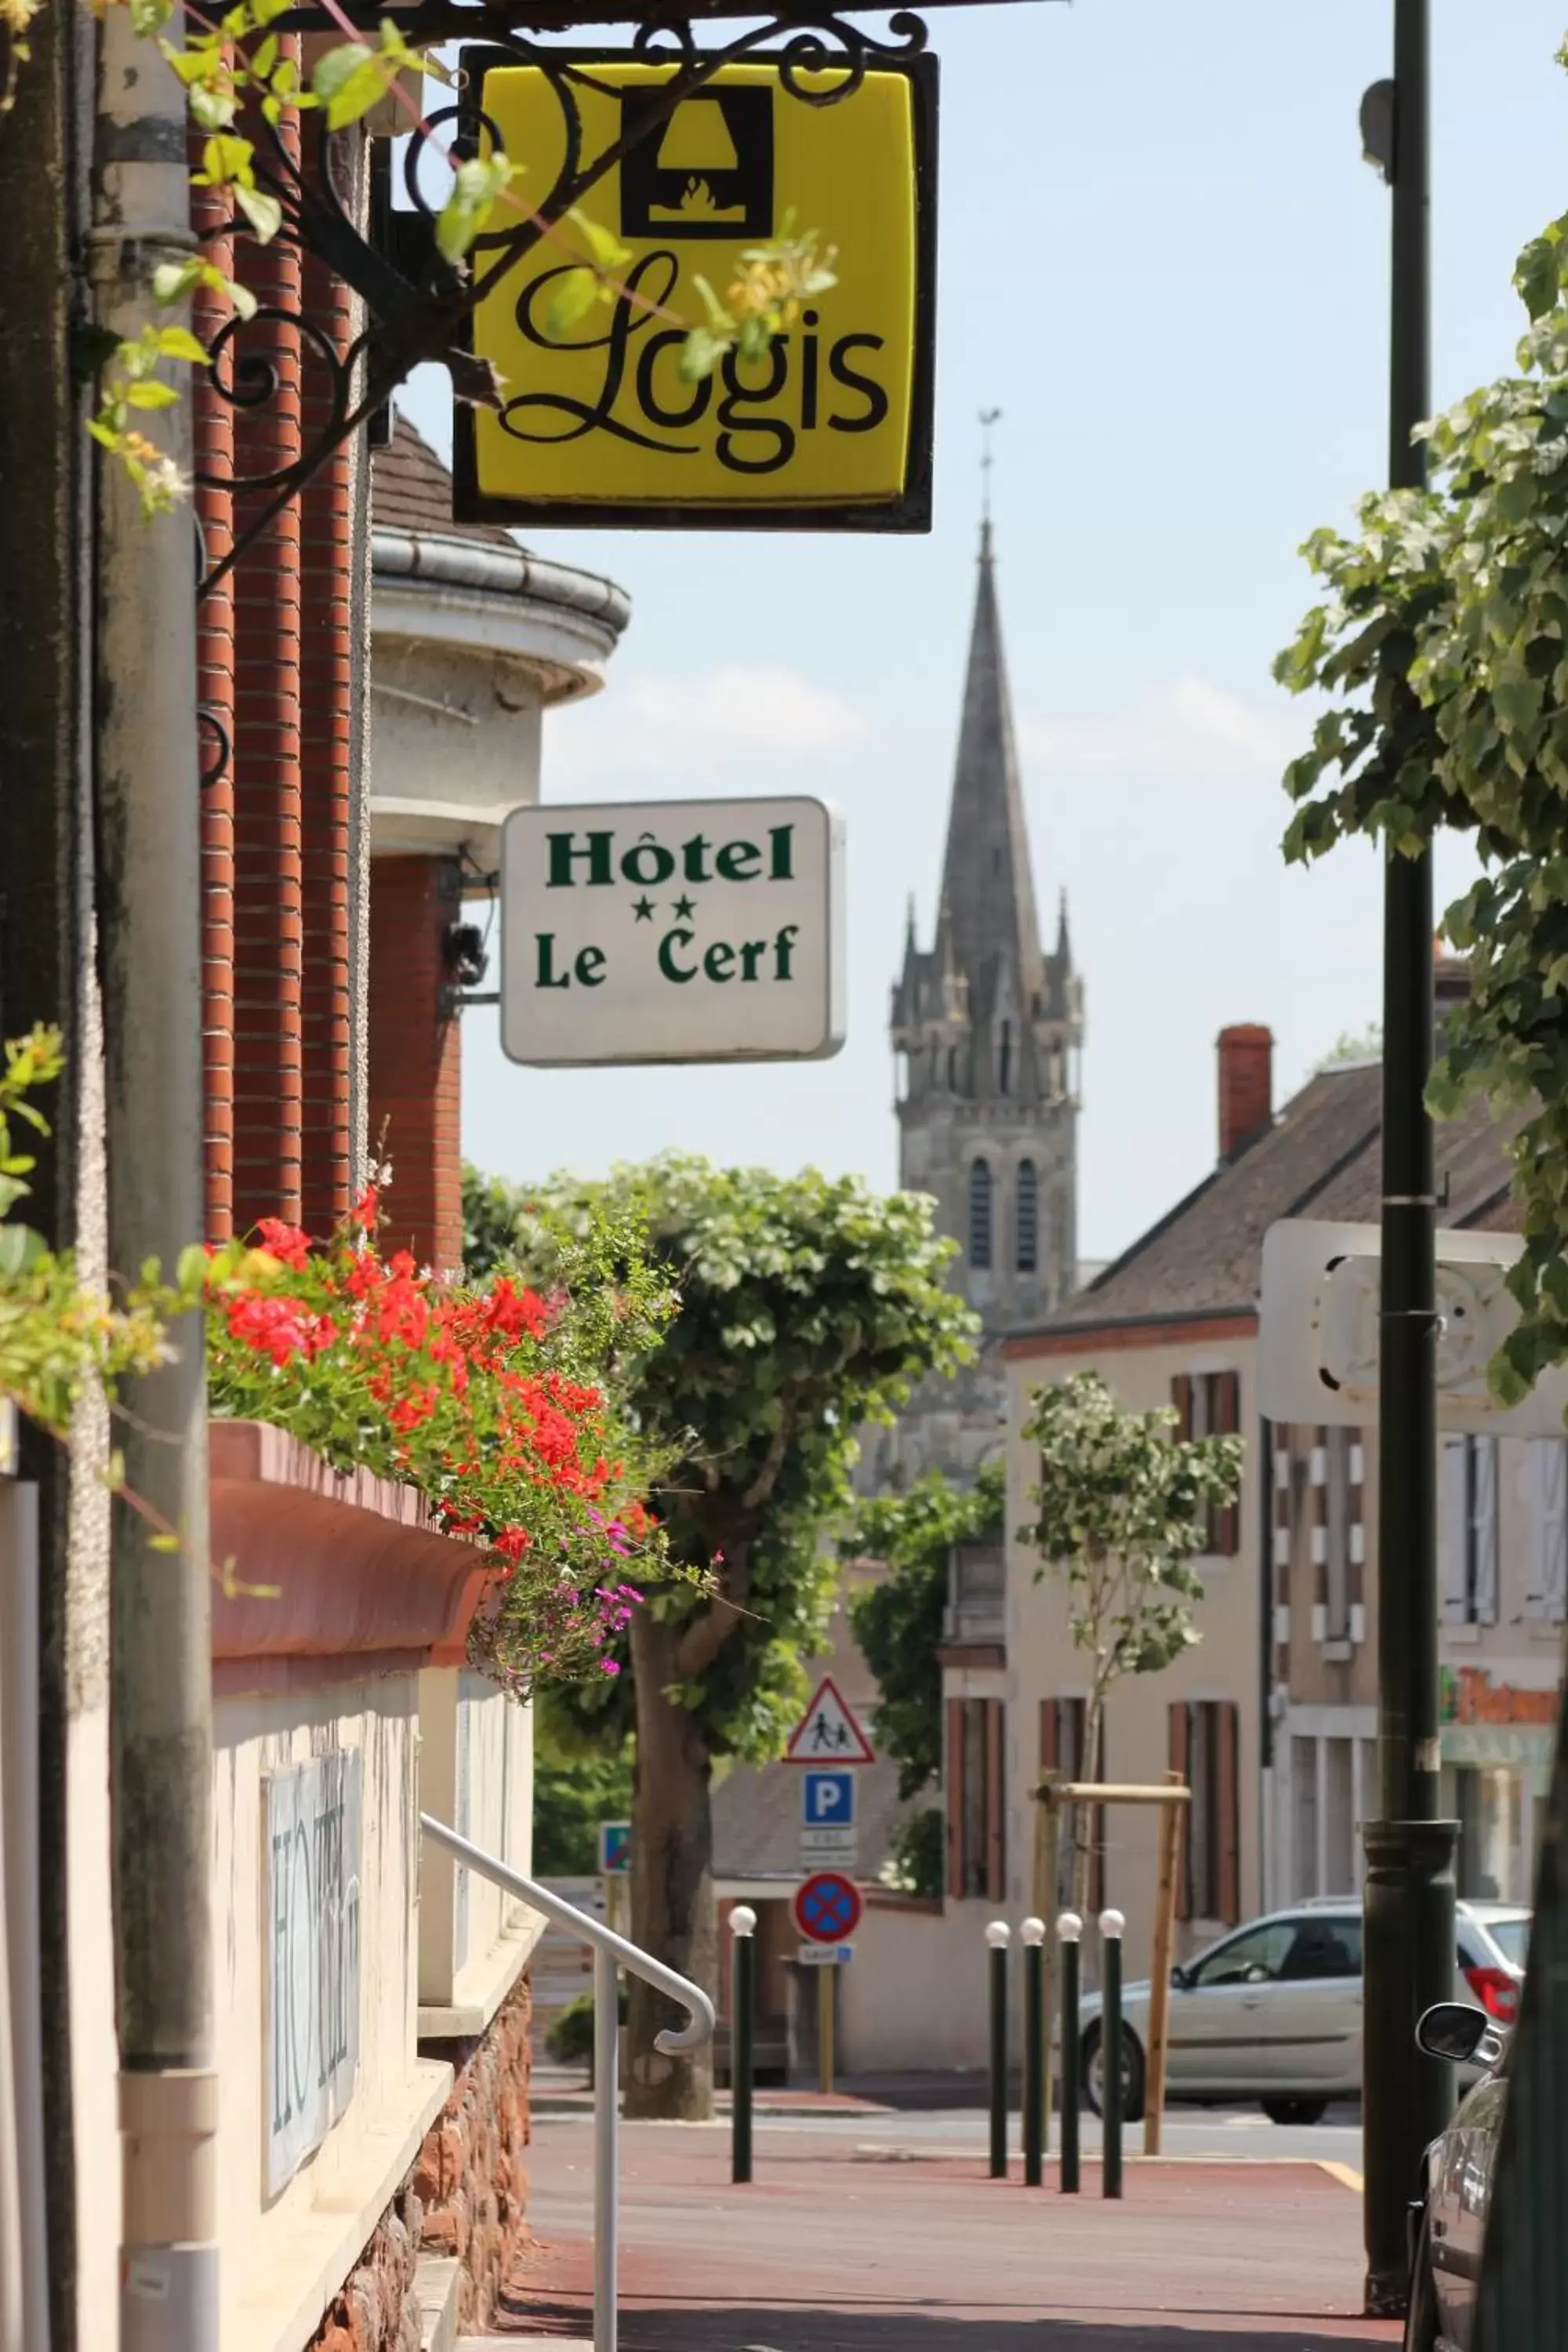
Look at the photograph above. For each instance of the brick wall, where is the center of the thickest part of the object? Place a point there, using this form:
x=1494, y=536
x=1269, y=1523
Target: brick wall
x=416, y=1056
x=465, y=2197
x=472, y=2178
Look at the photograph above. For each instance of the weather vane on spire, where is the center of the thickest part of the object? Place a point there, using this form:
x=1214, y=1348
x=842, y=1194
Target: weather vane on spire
x=988, y=417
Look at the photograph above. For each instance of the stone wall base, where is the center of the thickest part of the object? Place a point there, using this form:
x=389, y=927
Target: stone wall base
x=472, y=2175
x=465, y=2197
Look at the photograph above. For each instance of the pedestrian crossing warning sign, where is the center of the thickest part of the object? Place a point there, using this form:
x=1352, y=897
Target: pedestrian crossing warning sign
x=827, y=1733
x=830, y=427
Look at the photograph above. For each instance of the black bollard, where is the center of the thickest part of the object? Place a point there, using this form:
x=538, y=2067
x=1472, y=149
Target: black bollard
x=1034, y=1934
x=743, y=2002
x=1111, y=1923
x=1069, y=1927
x=997, y=1936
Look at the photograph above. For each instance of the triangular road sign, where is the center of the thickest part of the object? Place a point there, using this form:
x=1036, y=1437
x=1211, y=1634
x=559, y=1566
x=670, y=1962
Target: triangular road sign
x=827, y=1733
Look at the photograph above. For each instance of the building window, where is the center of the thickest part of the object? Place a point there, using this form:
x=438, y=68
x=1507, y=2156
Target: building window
x=981, y=1191
x=974, y=1799
x=1027, y=1213
x=1548, y=1593
x=1208, y=1404
x=1005, y=1060
x=1204, y=1736
x=1468, y=1531
x=1063, y=1729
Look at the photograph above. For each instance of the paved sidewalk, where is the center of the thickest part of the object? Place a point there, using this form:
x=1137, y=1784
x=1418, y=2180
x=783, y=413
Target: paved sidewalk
x=836, y=2250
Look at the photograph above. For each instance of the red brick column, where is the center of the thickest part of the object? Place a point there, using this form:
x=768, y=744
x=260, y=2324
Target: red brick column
x=415, y=1055
x=268, y=828
x=326, y=672
x=214, y=420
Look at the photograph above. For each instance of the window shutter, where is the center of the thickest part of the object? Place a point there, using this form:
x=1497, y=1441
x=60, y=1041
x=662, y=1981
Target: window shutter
x=1549, y=1499
x=1182, y=1398
x=995, y=1874
x=1176, y=1749
x=955, y=1797
x=1486, y=1530
x=1452, y=1512
x=1229, y=1813
x=1227, y=1404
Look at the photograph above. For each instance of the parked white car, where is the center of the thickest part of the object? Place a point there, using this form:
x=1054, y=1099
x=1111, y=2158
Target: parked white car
x=1273, y=2011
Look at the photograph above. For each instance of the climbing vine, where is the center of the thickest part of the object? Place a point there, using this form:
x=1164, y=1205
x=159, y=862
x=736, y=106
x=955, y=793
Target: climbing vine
x=1442, y=644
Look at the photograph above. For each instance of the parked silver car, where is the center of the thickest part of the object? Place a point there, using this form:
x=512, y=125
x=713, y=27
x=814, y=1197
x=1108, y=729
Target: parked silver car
x=1446, y=2272
x=1273, y=2011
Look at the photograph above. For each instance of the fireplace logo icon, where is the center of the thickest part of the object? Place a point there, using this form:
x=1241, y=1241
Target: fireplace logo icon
x=712, y=173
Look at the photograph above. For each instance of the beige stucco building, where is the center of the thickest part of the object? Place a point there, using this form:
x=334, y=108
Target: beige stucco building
x=1271, y=1718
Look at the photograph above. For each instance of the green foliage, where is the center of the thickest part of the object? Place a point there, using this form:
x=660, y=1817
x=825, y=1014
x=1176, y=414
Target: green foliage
x=1123, y=1506
x=1353, y=1045
x=576, y=1787
x=60, y=1337
x=899, y=1622
x=569, y=2039
x=806, y=1307
x=918, y=1864
x=1443, y=644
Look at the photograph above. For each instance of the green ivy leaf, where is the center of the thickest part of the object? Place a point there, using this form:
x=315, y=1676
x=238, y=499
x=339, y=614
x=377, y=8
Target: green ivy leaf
x=576, y=291
x=476, y=186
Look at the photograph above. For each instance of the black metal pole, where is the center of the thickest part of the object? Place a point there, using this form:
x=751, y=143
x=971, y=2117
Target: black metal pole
x=1069, y=2068
x=1034, y=1933
x=742, y=2008
x=1409, y=1939
x=1110, y=2051
x=997, y=1938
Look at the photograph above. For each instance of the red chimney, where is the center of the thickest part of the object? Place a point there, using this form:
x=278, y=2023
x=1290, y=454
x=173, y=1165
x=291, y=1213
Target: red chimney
x=1245, y=1085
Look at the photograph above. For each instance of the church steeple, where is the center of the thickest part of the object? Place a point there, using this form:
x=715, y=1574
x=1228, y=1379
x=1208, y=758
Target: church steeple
x=987, y=885
x=987, y=1022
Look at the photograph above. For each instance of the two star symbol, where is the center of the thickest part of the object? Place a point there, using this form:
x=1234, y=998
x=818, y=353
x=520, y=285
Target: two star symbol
x=684, y=909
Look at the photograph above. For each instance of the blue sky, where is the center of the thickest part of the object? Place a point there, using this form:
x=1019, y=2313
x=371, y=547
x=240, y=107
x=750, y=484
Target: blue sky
x=1163, y=259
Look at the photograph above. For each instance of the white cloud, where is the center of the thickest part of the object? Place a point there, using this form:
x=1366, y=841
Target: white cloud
x=734, y=721
x=1189, y=731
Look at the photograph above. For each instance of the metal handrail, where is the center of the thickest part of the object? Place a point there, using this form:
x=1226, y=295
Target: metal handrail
x=611, y=1953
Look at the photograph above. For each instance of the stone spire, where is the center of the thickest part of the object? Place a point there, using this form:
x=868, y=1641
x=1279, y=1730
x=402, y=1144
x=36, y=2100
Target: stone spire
x=988, y=887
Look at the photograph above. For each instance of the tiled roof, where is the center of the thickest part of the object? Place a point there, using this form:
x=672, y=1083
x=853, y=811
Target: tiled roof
x=1320, y=1158
x=411, y=490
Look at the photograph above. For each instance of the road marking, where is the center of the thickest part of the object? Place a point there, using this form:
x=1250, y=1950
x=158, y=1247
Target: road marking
x=1343, y=2173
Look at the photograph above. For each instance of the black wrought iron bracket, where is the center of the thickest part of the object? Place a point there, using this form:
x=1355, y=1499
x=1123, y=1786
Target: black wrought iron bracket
x=418, y=306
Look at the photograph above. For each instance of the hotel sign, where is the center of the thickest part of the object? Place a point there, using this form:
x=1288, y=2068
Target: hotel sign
x=672, y=931
x=831, y=428
x=311, y=2044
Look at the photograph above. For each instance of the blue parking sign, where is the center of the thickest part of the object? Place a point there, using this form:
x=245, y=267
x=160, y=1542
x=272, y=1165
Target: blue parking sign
x=615, y=1848
x=827, y=1800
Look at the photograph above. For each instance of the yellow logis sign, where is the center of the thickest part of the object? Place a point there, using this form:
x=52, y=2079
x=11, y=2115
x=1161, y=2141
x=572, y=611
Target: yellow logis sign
x=832, y=426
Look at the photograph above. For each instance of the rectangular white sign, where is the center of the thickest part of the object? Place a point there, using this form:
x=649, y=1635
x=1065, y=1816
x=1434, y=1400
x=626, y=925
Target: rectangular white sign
x=672, y=931
x=311, y=2042
x=819, y=1845
x=825, y=1955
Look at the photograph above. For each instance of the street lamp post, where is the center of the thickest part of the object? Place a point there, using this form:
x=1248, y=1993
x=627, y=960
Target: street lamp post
x=1409, y=1921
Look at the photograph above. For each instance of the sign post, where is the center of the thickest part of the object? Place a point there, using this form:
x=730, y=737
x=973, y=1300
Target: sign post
x=828, y=1911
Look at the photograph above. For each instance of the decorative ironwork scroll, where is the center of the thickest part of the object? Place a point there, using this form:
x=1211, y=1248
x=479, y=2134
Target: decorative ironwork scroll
x=418, y=305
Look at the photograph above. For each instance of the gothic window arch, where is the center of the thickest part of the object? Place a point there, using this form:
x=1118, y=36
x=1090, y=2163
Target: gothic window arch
x=1005, y=1060
x=1027, y=1218
x=982, y=1205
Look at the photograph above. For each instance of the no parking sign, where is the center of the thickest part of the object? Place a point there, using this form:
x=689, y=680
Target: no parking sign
x=827, y=1907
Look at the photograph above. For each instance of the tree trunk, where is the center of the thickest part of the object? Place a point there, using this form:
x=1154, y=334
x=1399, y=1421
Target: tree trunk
x=673, y=1911
x=1086, y=1819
